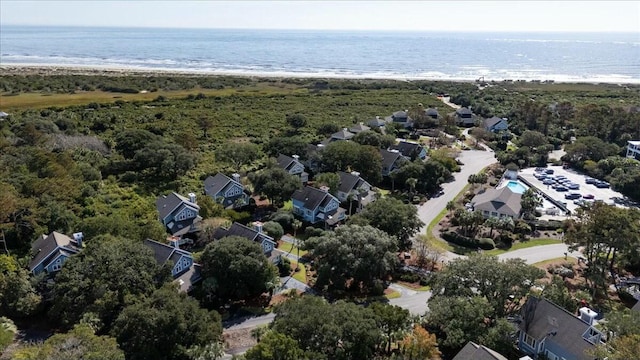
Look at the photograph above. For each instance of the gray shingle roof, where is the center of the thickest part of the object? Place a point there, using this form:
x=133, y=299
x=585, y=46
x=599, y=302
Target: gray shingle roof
x=377, y=122
x=502, y=200
x=431, y=112
x=543, y=319
x=167, y=203
x=464, y=111
x=473, y=351
x=348, y=182
x=285, y=162
x=389, y=157
x=46, y=245
x=215, y=184
x=407, y=149
x=237, y=229
x=359, y=128
x=636, y=307
x=163, y=252
x=310, y=197
x=491, y=121
x=343, y=134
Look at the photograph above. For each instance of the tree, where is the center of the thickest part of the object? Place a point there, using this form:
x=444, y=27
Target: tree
x=8, y=331
x=603, y=232
x=296, y=121
x=532, y=139
x=491, y=223
x=459, y=319
x=331, y=180
x=529, y=202
x=165, y=326
x=558, y=293
x=419, y=345
x=238, y=154
x=236, y=268
x=205, y=124
x=18, y=297
x=395, y=218
x=128, y=142
x=351, y=156
x=451, y=205
x=622, y=322
x=503, y=283
x=620, y=348
x=275, y=346
x=391, y=319
x=161, y=159
x=80, y=343
x=339, y=331
x=87, y=281
x=374, y=139
x=275, y=183
x=290, y=145
x=352, y=254
x=273, y=229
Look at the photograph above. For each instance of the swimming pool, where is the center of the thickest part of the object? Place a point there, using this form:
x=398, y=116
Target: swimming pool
x=516, y=187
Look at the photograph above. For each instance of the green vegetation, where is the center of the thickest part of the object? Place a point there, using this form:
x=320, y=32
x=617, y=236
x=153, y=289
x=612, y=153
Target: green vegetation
x=524, y=244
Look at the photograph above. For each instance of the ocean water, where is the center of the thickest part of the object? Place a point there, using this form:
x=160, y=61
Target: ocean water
x=580, y=57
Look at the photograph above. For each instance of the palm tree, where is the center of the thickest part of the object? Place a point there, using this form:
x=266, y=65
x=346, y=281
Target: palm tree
x=529, y=202
x=491, y=222
x=451, y=205
x=296, y=224
x=411, y=182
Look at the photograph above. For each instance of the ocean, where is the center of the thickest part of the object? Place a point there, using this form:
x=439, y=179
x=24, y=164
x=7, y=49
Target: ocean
x=561, y=57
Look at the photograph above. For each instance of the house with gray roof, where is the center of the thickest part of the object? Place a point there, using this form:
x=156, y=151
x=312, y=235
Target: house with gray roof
x=400, y=117
x=293, y=166
x=359, y=128
x=183, y=270
x=464, y=117
x=376, y=123
x=178, y=213
x=473, y=351
x=410, y=150
x=49, y=252
x=498, y=203
x=495, y=124
x=226, y=191
x=254, y=234
x=432, y=113
x=549, y=330
x=355, y=188
x=391, y=161
x=343, y=134
x=317, y=205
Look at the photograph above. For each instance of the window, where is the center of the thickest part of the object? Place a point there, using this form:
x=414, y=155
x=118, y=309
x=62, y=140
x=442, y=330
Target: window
x=529, y=341
x=550, y=355
x=57, y=265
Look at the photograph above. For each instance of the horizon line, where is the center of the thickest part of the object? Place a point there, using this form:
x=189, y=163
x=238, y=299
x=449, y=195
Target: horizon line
x=2, y=24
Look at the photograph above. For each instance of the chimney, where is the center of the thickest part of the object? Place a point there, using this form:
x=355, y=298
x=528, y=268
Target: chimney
x=355, y=173
x=236, y=177
x=257, y=226
x=78, y=237
x=324, y=188
x=297, y=157
x=587, y=315
x=192, y=198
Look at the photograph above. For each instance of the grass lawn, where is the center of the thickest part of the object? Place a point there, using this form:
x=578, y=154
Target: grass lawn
x=391, y=294
x=300, y=275
x=384, y=192
x=542, y=264
x=524, y=245
x=291, y=248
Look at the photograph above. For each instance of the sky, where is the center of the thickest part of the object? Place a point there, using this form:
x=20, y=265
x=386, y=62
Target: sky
x=507, y=16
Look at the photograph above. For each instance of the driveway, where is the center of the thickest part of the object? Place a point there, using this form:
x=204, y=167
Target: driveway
x=537, y=254
x=412, y=300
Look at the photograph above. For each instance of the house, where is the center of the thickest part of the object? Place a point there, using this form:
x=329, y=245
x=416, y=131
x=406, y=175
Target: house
x=226, y=191
x=343, y=134
x=400, y=117
x=49, y=252
x=410, y=150
x=633, y=150
x=464, y=117
x=178, y=213
x=353, y=187
x=293, y=166
x=495, y=124
x=313, y=158
x=256, y=234
x=547, y=329
x=317, y=205
x=376, y=123
x=359, y=128
x=183, y=269
x=498, y=203
x=473, y=351
x=432, y=113
x=391, y=161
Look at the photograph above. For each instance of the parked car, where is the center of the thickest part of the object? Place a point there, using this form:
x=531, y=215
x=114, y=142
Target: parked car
x=573, y=186
x=590, y=180
x=549, y=171
x=548, y=182
x=540, y=169
x=588, y=196
x=602, y=184
x=572, y=196
x=561, y=189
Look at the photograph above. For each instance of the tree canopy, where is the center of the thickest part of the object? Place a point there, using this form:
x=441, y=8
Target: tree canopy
x=275, y=183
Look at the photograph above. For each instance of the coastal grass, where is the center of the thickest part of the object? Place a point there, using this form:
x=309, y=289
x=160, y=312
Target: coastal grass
x=524, y=245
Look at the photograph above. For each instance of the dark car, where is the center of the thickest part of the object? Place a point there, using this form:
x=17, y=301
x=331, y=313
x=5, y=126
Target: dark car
x=561, y=188
x=549, y=171
x=602, y=184
x=588, y=196
x=572, y=196
x=590, y=180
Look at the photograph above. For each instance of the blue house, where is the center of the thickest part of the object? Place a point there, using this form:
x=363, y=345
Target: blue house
x=178, y=213
x=495, y=124
x=184, y=271
x=549, y=330
x=226, y=191
x=293, y=166
x=391, y=161
x=254, y=234
x=317, y=205
x=410, y=150
x=49, y=252
x=464, y=117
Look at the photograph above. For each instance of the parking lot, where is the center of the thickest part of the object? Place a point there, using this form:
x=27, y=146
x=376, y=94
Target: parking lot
x=607, y=195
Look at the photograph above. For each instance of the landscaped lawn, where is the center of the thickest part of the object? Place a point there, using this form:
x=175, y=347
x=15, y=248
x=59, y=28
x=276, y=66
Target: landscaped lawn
x=524, y=245
x=291, y=248
x=300, y=275
x=391, y=294
x=543, y=264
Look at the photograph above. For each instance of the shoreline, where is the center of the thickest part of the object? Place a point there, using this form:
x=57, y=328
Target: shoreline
x=109, y=70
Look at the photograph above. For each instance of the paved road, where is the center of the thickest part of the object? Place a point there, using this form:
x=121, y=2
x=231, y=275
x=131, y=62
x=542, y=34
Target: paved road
x=248, y=322
x=414, y=301
x=536, y=254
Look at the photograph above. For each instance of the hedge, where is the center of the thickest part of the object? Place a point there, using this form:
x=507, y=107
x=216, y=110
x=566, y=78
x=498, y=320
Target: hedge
x=546, y=225
x=453, y=237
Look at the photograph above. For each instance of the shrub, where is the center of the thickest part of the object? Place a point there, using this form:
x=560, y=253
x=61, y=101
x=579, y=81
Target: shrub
x=467, y=242
x=284, y=266
x=486, y=243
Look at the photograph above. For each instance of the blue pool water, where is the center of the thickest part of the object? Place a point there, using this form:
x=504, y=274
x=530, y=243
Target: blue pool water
x=516, y=187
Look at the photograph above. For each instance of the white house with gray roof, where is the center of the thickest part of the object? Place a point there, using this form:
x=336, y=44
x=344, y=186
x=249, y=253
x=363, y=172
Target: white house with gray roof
x=498, y=203
x=355, y=188
x=293, y=166
x=178, y=213
x=183, y=270
x=49, y=252
x=226, y=191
